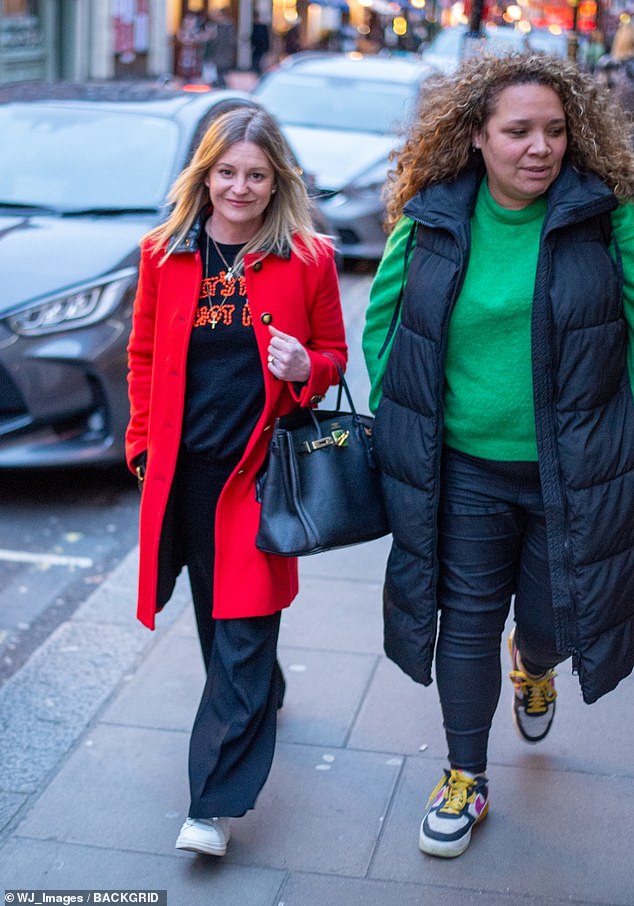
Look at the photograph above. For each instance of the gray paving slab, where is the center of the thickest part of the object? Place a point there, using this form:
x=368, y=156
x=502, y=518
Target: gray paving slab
x=320, y=890
x=398, y=715
x=320, y=811
x=362, y=562
x=129, y=792
x=336, y=615
x=324, y=691
x=548, y=834
x=185, y=622
x=114, y=601
x=164, y=692
x=188, y=881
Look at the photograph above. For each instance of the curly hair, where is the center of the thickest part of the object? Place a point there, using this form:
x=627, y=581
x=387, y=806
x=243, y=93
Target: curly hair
x=452, y=108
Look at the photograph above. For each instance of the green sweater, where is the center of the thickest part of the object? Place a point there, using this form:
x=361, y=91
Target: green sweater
x=488, y=388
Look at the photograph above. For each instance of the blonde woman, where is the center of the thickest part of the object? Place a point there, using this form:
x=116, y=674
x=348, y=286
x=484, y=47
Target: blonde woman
x=237, y=320
x=499, y=346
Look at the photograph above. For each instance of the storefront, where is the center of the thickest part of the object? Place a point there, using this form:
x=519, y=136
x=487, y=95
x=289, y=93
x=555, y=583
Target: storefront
x=28, y=45
x=128, y=39
x=83, y=39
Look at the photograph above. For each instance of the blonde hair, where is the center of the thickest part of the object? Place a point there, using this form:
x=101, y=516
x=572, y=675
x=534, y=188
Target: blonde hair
x=287, y=217
x=452, y=108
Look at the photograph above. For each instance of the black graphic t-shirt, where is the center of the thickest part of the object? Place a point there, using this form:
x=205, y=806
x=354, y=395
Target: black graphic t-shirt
x=225, y=387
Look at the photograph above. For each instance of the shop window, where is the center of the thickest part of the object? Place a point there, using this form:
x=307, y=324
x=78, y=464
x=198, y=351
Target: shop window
x=20, y=25
x=131, y=21
x=22, y=42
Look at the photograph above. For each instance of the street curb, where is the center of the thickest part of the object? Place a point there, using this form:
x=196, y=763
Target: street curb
x=47, y=704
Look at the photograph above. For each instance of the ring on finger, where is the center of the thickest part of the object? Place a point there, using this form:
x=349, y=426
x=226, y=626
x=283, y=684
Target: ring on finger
x=271, y=360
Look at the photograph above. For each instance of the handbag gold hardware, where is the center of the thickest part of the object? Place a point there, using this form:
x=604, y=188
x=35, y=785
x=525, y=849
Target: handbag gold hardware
x=337, y=438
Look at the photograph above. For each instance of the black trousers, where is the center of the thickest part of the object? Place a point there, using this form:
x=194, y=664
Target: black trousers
x=492, y=545
x=233, y=737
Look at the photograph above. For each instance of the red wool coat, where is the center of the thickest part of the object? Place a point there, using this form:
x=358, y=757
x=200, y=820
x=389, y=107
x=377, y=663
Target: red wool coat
x=301, y=299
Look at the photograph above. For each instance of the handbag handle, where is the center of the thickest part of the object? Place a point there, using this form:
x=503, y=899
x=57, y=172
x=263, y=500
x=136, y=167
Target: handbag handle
x=343, y=384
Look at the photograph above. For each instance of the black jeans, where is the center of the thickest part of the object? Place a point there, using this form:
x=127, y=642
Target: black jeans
x=233, y=737
x=492, y=545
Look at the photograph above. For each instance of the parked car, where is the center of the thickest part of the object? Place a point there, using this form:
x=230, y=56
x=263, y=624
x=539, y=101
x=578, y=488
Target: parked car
x=343, y=114
x=450, y=45
x=84, y=173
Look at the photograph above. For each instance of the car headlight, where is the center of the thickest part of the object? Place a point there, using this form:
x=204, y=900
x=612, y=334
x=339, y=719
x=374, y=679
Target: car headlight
x=84, y=305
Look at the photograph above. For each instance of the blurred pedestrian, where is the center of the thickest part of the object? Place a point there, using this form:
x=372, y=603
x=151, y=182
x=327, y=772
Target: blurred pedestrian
x=221, y=49
x=499, y=346
x=209, y=68
x=292, y=39
x=623, y=42
x=260, y=42
x=190, y=43
x=593, y=50
x=619, y=68
x=237, y=319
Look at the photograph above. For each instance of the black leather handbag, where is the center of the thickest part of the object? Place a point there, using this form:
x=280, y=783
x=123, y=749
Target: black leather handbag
x=320, y=488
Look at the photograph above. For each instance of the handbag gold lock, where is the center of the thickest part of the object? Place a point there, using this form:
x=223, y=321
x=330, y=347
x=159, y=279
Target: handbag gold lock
x=337, y=438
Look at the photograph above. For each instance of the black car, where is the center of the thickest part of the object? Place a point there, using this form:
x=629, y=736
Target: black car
x=84, y=173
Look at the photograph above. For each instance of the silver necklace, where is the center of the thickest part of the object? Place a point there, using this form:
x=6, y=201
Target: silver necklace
x=229, y=275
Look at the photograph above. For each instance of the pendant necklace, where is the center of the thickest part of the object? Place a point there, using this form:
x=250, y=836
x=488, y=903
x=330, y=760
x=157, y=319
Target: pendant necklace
x=229, y=275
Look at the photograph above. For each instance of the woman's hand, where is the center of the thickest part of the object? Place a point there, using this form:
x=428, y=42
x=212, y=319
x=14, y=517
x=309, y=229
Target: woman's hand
x=287, y=358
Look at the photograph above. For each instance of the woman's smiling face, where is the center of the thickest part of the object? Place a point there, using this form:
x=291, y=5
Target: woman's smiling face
x=240, y=186
x=523, y=144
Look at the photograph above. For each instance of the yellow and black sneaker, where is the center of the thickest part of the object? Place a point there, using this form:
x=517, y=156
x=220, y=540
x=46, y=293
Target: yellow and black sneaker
x=458, y=802
x=534, y=700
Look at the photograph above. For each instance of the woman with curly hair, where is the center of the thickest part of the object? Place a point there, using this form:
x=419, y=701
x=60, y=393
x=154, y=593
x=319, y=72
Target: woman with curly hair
x=499, y=346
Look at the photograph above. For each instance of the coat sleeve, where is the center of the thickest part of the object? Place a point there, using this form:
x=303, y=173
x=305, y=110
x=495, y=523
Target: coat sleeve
x=140, y=355
x=326, y=344
x=623, y=230
x=384, y=294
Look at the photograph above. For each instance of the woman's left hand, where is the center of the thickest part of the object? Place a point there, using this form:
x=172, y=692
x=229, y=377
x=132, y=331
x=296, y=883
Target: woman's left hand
x=287, y=358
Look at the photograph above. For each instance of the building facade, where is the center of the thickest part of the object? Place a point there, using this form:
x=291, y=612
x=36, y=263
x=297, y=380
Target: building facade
x=83, y=39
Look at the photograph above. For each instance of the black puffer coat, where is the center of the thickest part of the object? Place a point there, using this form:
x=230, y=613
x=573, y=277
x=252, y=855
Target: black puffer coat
x=584, y=416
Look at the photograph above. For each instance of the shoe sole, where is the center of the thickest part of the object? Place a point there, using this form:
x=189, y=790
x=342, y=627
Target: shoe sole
x=201, y=848
x=449, y=849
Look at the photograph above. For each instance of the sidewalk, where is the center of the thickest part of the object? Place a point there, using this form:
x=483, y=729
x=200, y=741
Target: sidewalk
x=93, y=747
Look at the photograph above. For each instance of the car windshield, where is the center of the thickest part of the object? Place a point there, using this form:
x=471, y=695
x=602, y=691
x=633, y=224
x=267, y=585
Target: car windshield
x=324, y=102
x=450, y=43
x=69, y=159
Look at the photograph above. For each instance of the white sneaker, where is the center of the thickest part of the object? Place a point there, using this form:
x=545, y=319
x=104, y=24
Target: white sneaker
x=208, y=836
